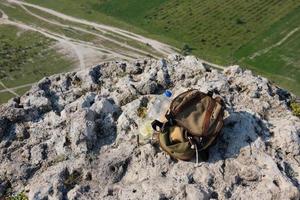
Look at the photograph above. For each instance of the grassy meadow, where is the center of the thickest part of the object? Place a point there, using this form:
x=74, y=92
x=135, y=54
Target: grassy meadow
x=276, y=52
x=222, y=32
x=261, y=35
x=26, y=57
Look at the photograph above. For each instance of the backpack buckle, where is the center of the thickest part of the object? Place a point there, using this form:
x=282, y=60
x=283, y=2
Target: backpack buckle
x=157, y=125
x=160, y=127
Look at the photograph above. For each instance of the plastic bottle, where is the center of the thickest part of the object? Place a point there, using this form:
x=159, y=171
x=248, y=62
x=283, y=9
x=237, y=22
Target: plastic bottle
x=156, y=111
x=160, y=106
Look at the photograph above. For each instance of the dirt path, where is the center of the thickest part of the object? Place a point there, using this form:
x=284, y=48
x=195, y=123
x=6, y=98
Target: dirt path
x=78, y=46
x=3, y=15
x=84, y=31
x=73, y=43
x=11, y=90
x=220, y=67
x=266, y=50
x=158, y=46
x=6, y=89
x=49, y=35
x=60, y=38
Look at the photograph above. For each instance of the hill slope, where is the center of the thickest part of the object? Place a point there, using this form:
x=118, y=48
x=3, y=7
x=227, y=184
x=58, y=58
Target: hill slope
x=217, y=31
x=73, y=136
x=37, y=42
x=25, y=58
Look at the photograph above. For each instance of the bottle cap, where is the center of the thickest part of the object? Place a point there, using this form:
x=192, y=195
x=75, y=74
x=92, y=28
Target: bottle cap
x=168, y=93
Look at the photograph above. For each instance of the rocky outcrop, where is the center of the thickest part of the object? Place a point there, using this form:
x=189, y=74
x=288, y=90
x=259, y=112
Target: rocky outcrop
x=74, y=136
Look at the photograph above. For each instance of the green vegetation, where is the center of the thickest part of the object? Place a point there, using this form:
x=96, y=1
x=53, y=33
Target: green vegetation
x=22, y=90
x=276, y=52
x=70, y=32
x=89, y=9
x=295, y=108
x=214, y=28
x=220, y=32
x=19, y=196
x=26, y=57
x=186, y=50
x=5, y=96
x=142, y=112
x=18, y=14
x=72, y=179
x=18, y=51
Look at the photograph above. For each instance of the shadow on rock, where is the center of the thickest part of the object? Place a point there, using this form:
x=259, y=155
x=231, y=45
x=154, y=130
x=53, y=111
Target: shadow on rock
x=105, y=124
x=106, y=132
x=240, y=130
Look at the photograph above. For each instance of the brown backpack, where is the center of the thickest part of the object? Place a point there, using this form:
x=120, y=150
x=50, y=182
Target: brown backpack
x=193, y=122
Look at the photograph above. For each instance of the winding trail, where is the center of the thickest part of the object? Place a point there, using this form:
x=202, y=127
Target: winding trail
x=49, y=35
x=158, y=46
x=266, y=50
x=11, y=90
x=77, y=45
x=220, y=67
x=84, y=31
x=3, y=15
x=64, y=39
x=6, y=89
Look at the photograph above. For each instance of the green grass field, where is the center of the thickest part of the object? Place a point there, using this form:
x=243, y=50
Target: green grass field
x=222, y=32
x=18, y=14
x=88, y=9
x=26, y=57
x=5, y=96
x=275, y=55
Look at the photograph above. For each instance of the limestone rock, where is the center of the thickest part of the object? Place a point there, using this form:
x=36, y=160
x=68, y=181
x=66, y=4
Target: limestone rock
x=74, y=136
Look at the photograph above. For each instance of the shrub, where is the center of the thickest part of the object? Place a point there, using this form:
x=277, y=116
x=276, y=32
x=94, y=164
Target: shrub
x=20, y=196
x=72, y=179
x=295, y=108
x=142, y=112
x=240, y=21
x=186, y=50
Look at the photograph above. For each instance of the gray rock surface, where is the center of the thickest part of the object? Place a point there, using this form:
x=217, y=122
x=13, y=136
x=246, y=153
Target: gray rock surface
x=74, y=136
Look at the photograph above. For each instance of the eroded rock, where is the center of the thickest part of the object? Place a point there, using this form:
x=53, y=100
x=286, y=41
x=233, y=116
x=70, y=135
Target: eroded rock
x=74, y=136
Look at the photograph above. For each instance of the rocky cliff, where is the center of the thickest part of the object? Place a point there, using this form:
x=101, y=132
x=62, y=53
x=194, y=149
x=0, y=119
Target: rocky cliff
x=74, y=136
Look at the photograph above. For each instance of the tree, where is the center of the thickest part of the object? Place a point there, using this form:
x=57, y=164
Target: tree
x=186, y=50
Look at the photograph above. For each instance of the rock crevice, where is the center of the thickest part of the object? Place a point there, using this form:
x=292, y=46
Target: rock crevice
x=74, y=136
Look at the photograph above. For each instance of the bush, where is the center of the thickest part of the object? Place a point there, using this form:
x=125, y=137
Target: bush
x=142, y=112
x=295, y=108
x=186, y=50
x=20, y=196
x=240, y=21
